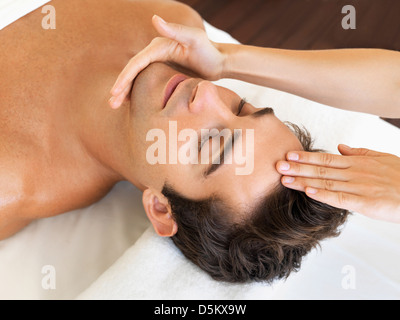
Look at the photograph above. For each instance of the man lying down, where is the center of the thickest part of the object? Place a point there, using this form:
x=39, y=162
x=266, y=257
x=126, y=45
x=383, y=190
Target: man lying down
x=64, y=148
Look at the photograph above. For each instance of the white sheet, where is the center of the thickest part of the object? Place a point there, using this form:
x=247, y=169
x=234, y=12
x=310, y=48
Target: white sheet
x=154, y=269
x=80, y=245
x=12, y=10
x=96, y=256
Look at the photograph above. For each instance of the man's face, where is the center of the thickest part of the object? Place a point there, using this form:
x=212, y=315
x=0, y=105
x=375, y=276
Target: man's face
x=200, y=105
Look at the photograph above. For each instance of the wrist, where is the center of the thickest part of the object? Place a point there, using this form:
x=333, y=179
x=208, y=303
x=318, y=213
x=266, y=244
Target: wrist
x=227, y=51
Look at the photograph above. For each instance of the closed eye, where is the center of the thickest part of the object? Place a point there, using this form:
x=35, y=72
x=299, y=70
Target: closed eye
x=241, y=105
x=204, y=140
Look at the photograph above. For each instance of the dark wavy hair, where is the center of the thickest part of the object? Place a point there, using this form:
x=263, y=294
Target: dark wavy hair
x=268, y=245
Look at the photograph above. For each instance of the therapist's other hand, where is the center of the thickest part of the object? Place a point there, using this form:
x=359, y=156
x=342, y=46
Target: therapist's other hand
x=187, y=47
x=361, y=180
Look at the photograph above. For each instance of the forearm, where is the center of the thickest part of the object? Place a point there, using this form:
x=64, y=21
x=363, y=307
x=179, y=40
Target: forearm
x=363, y=80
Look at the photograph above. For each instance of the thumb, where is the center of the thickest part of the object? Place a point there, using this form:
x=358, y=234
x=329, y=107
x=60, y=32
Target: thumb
x=183, y=34
x=348, y=151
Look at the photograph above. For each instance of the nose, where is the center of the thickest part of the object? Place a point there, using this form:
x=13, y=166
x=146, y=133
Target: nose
x=208, y=100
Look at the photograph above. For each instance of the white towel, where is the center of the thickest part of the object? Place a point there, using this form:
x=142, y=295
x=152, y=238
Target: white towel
x=362, y=263
x=12, y=10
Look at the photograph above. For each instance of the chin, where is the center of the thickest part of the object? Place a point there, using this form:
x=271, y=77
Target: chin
x=148, y=88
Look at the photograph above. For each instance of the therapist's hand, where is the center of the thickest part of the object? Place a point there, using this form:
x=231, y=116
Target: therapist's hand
x=187, y=47
x=361, y=180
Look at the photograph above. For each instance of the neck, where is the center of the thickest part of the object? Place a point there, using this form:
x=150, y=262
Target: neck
x=106, y=136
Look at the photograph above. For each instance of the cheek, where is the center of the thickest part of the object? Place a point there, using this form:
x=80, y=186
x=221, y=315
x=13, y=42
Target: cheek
x=186, y=184
x=230, y=98
x=227, y=93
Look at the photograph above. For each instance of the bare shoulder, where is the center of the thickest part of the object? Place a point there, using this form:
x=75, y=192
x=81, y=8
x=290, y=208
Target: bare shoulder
x=13, y=203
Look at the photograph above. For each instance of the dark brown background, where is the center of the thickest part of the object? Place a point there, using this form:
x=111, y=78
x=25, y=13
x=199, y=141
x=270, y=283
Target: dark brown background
x=305, y=24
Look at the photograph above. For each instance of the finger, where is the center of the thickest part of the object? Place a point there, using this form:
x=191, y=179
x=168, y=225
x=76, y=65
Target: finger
x=294, y=169
x=319, y=159
x=183, y=34
x=157, y=50
x=340, y=200
x=348, y=151
x=131, y=70
x=301, y=184
x=116, y=102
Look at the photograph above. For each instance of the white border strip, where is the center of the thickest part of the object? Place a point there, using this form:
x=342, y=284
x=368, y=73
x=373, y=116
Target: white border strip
x=12, y=10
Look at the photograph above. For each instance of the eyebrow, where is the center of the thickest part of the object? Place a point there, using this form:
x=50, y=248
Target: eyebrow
x=228, y=146
x=262, y=112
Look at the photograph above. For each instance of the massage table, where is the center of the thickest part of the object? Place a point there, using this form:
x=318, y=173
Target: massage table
x=110, y=251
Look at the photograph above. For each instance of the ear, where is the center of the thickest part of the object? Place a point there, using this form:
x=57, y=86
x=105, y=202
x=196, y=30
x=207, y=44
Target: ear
x=159, y=213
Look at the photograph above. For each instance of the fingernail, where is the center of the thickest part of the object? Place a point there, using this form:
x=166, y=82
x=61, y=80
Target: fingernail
x=161, y=19
x=311, y=191
x=288, y=180
x=293, y=156
x=284, y=166
x=113, y=103
x=345, y=147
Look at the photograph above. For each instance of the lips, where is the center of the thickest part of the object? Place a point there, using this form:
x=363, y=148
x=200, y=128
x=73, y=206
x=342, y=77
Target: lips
x=171, y=87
